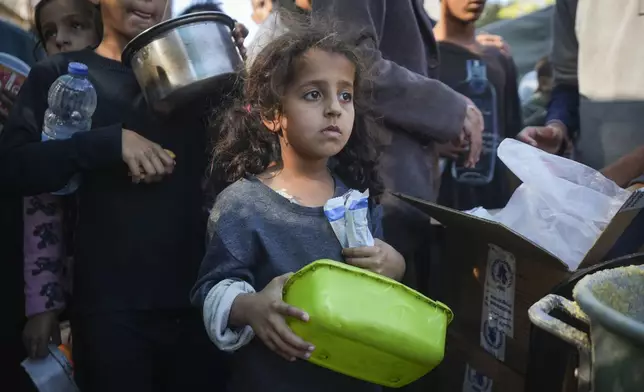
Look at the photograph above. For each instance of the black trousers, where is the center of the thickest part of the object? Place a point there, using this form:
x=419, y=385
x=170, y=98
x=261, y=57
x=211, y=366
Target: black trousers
x=146, y=351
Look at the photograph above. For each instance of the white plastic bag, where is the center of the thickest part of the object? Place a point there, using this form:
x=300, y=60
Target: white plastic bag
x=348, y=216
x=562, y=205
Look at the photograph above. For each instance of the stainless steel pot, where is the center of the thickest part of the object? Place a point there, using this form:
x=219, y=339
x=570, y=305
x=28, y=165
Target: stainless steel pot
x=184, y=58
x=611, y=358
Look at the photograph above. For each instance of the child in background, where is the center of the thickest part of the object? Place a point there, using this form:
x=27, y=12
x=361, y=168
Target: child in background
x=61, y=26
x=291, y=146
x=139, y=237
x=457, y=42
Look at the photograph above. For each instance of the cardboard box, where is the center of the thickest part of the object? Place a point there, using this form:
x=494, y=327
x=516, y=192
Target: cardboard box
x=468, y=368
x=491, y=275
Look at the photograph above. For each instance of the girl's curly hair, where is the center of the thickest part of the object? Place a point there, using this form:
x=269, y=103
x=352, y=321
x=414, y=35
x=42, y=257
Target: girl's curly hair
x=246, y=147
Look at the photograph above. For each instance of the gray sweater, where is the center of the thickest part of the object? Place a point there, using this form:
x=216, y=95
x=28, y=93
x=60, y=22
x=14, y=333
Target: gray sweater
x=257, y=235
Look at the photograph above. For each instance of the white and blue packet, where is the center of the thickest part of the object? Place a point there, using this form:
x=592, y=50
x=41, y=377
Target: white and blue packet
x=349, y=217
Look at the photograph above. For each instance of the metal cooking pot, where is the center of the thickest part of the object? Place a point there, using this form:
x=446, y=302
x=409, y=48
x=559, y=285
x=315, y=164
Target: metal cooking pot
x=612, y=303
x=184, y=58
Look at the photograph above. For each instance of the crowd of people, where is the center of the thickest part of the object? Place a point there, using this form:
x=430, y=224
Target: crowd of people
x=186, y=226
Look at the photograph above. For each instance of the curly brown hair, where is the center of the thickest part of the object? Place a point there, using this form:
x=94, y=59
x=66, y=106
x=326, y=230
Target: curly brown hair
x=246, y=147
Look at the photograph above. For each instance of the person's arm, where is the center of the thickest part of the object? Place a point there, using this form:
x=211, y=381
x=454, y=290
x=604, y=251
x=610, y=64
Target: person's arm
x=564, y=104
x=562, y=119
x=627, y=170
x=225, y=272
x=29, y=166
x=413, y=103
x=222, y=279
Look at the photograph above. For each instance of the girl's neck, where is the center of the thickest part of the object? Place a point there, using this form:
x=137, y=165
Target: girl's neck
x=450, y=29
x=296, y=167
x=112, y=45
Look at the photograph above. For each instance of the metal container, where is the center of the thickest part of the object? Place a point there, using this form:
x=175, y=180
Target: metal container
x=183, y=59
x=612, y=303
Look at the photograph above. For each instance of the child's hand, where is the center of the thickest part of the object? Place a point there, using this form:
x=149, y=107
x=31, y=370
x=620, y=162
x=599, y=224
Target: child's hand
x=381, y=258
x=265, y=312
x=41, y=330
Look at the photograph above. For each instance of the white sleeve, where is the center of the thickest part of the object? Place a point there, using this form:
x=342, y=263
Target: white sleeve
x=216, y=310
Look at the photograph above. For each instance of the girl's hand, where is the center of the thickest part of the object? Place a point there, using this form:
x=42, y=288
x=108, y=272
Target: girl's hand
x=41, y=330
x=146, y=160
x=381, y=258
x=265, y=312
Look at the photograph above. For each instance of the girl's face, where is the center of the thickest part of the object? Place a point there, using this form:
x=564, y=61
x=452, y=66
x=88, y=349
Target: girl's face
x=67, y=25
x=318, y=109
x=129, y=18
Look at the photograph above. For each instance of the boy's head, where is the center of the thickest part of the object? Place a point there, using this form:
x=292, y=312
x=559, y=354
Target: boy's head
x=464, y=11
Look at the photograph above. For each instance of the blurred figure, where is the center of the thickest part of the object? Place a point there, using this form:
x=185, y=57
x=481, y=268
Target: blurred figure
x=261, y=10
x=535, y=109
x=266, y=13
x=458, y=44
x=598, y=95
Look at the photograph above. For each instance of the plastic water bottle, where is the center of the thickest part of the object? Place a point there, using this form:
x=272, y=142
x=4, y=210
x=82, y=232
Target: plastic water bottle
x=72, y=101
x=479, y=89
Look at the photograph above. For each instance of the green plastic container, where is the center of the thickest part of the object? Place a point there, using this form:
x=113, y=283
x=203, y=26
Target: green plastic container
x=365, y=325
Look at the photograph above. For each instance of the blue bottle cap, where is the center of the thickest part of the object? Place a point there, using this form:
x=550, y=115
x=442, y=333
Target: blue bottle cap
x=77, y=69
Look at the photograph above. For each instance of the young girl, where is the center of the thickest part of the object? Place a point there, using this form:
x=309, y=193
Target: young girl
x=293, y=145
x=139, y=236
x=61, y=26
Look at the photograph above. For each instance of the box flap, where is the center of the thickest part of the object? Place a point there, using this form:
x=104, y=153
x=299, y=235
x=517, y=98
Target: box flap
x=623, y=236
x=483, y=229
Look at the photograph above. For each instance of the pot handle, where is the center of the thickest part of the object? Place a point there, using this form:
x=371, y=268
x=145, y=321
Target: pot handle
x=539, y=314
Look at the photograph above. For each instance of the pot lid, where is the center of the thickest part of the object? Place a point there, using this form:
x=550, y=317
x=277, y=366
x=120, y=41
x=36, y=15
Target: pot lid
x=155, y=31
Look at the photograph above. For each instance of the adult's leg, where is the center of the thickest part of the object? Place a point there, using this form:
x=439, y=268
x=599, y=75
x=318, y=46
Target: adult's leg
x=112, y=352
x=191, y=362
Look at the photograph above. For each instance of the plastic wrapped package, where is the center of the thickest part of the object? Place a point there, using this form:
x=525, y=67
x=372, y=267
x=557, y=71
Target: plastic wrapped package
x=562, y=205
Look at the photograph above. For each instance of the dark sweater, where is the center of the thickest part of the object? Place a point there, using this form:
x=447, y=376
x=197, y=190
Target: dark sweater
x=258, y=235
x=137, y=246
x=501, y=72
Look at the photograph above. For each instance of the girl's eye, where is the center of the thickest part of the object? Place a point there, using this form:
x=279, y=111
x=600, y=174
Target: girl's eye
x=346, y=96
x=77, y=26
x=312, y=96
